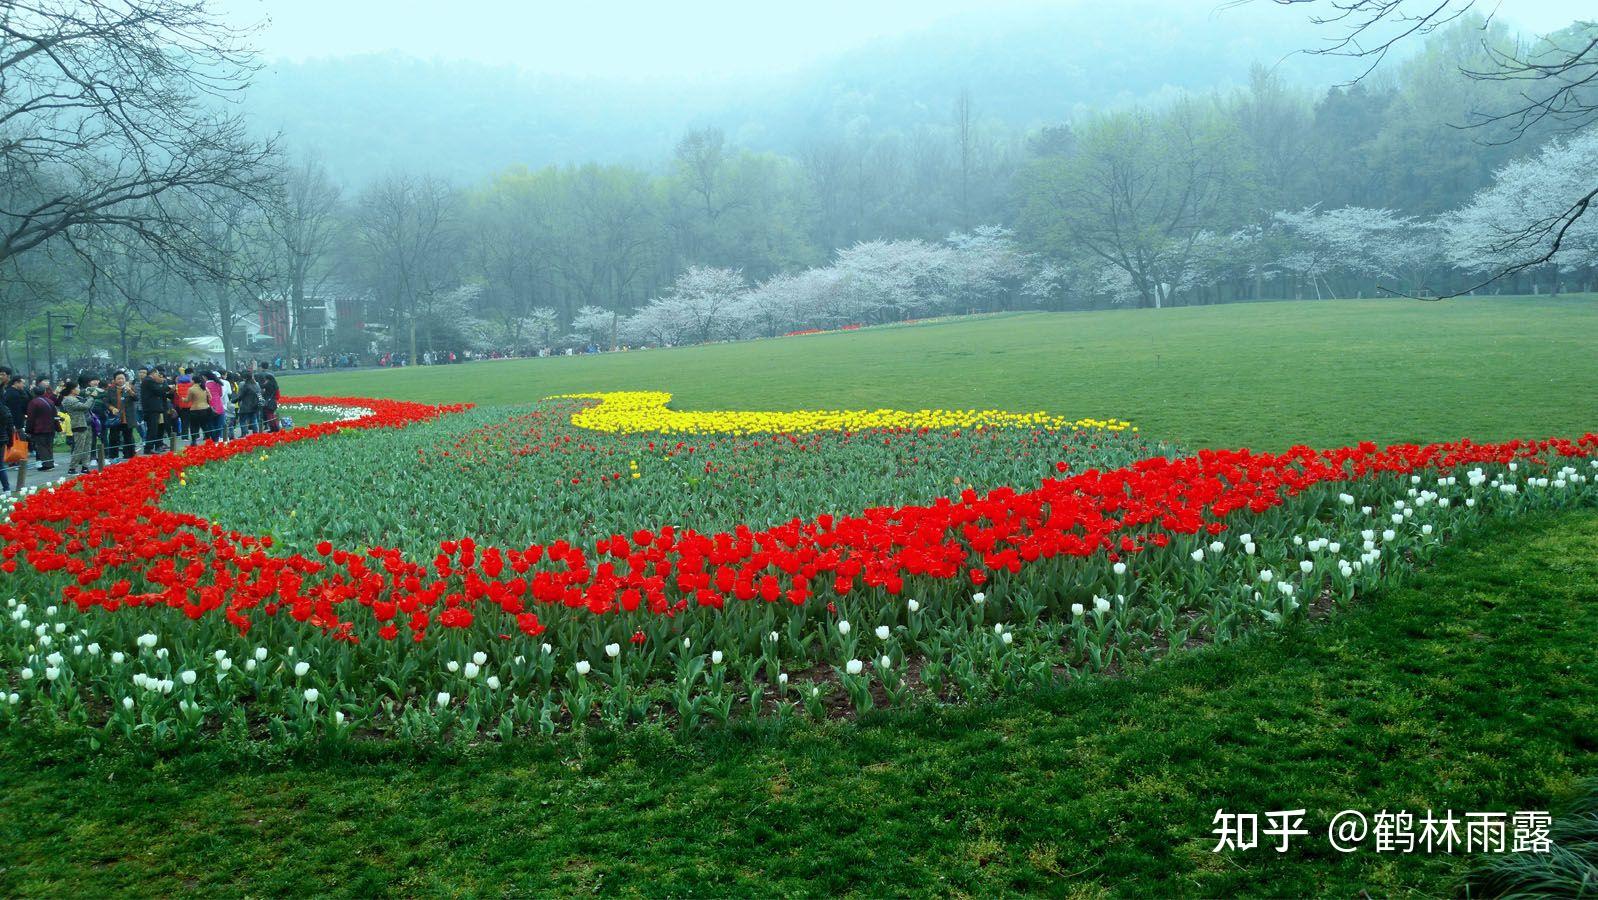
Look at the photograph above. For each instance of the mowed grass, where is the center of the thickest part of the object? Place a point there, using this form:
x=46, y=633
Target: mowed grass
x=1264, y=375
x=1473, y=688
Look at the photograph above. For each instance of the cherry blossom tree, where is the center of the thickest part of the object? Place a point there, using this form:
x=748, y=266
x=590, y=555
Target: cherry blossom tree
x=1524, y=214
x=1355, y=241
x=698, y=308
x=892, y=280
x=986, y=268
x=591, y=325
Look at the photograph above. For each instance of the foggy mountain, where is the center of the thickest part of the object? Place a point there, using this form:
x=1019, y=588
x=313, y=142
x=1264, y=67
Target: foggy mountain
x=376, y=113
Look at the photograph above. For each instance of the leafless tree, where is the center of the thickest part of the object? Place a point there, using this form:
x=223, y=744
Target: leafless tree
x=303, y=218
x=112, y=111
x=965, y=140
x=405, y=227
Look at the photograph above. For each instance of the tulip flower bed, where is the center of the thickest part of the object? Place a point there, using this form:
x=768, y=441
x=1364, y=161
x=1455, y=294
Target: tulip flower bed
x=605, y=559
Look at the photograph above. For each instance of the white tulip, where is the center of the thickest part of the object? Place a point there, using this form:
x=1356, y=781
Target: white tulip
x=118, y=657
x=716, y=657
x=1119, y=568
x=1007, y=637
x=1306, y=566
x=300, y=668
x=471, y=671
x=782, y=678
x=493, y=682
x=913, y=606
x=480, y=657
x=51, y=673
x=453, y=666
x=127, y=702
x=882, y=632
x=612, y=650
x=1076, y=609
x=854, y=666
x=843, y=626
x=1266, y=575
x=978, y=597
x=312, y=695
x=260, y=654
x=188, y=676
x=442, y=698
x=1101, y=605
x=885, y=663
x=583, y=667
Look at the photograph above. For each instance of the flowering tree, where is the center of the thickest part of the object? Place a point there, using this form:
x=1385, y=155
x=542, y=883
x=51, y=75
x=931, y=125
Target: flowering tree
x=1524, y=214
x=890, y=280
x=1363, y=243
x=698, y=308
x=1052, y=284
x=592, y=325
x=986, y=267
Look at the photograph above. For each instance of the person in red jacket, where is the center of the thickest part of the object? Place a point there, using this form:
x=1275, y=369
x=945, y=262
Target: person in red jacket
x=41, y=428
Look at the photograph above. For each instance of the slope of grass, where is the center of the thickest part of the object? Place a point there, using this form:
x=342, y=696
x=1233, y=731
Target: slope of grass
x=1474, y=688
x=1266, y=375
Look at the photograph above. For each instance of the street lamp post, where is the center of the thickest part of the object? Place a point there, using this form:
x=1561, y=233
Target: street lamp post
x=49, y=336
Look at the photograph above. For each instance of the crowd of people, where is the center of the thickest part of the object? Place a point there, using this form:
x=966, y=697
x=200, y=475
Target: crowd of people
x=114, y=416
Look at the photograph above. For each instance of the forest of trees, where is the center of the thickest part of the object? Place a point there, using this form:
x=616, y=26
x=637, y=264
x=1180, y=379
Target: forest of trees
x=1391, y=185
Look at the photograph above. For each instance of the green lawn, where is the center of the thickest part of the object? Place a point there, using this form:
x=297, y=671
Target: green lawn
x=1475, y=687
x=1265, y=375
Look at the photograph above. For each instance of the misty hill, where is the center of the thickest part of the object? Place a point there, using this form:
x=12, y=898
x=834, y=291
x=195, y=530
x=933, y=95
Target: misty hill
x=375, y=113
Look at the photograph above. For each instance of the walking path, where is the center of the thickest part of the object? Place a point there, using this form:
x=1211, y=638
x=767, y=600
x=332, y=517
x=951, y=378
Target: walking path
x=35, y=478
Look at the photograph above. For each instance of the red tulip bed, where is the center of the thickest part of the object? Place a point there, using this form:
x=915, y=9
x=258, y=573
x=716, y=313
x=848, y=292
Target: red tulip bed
x=416, y=570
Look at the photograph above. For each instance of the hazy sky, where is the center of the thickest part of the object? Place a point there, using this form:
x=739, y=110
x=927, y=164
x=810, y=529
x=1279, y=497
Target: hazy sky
x=660, y=38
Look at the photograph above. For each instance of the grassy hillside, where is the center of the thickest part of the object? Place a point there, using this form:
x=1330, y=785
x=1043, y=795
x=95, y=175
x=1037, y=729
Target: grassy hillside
x=1264, y=375
x=1472, y=688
